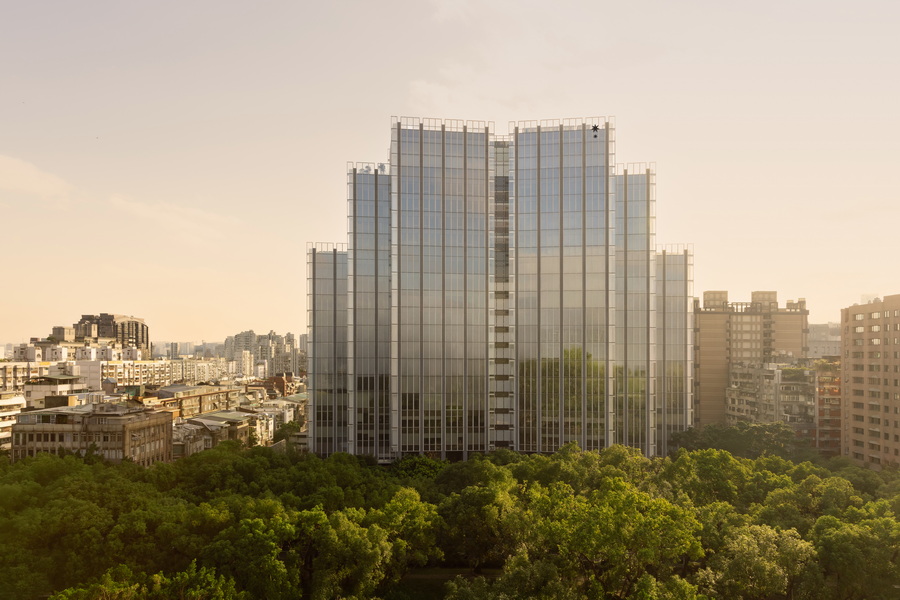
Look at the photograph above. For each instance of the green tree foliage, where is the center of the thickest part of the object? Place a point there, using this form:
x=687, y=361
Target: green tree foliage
x=241, y=523
x=286, y=430
x=746, y=440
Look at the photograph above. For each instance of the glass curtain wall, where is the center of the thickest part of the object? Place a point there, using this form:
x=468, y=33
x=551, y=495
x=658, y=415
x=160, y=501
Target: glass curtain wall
x=327, y=360
x=635, y=367
x=675, y=341
x=560, y=188
x=440, y=196
x=369, y=301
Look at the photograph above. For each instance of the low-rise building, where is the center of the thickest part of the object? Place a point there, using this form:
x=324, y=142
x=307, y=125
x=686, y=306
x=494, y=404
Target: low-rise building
x=192, y=400
x=116, y=432
x=53, y=385
x=224, y=425
x=187, y=439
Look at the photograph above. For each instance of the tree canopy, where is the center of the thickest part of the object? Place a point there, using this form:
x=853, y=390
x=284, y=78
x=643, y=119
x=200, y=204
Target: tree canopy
x=242, y=523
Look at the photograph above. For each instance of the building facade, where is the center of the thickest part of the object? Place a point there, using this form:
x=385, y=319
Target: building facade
x=732, y=334
x=500, y=292
x=11, y=404
x=114, y=431
x=327, y=319
x=828, y=406
x=870, y=391
x=774, y=393
x=123, y=329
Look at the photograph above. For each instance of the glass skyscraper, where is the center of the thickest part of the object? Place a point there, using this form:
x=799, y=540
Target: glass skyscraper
x=502, y=292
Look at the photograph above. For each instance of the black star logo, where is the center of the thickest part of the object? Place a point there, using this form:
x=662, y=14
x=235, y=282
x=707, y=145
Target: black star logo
x=595, y=128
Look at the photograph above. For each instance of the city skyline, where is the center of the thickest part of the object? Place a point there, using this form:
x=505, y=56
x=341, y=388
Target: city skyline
x=149, y=151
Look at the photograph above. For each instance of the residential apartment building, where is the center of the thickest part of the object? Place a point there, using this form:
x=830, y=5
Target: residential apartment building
x=190, y=400
x=774, y=393
x=870, y=355
x=114, y=431
x=11, y=404
x=824, y=340
x=53, y=385
x=120, y=329
x=730, y=334
x=499, y=292
x=14, y=375
x=828, y=406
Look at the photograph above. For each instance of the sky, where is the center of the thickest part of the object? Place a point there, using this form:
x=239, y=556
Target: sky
x=172, y=159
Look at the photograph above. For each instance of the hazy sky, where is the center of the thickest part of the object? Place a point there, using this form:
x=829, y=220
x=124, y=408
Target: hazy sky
x=171, y=160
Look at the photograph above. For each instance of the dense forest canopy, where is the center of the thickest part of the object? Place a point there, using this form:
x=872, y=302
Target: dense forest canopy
x=230, y=523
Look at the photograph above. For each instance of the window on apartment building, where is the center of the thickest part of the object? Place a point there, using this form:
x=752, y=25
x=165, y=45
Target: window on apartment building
x=875, y=315
x=859, y=329
x=858, y=317
x=875, y=328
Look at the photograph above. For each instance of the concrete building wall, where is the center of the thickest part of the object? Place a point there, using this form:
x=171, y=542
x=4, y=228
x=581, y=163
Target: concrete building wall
x=729, y=334
x=870, y=394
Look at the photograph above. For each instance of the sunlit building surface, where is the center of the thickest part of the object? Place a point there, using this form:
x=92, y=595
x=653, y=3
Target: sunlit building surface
x=870, y=390
x=327, y=318
x=500, y=292
x=734, y=334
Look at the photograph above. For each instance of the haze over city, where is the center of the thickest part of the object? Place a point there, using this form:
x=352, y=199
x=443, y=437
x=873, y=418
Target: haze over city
x=172, y=160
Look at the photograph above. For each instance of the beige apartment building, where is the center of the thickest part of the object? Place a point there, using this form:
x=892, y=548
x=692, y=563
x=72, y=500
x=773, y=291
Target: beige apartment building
x=115, y=431
x=729, y=334
x=870, y=350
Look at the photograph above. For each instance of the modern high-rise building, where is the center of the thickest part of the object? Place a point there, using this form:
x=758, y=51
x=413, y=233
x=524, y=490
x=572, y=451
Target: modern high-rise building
x=327, y=318
x=499, y=292
x=870, y=390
